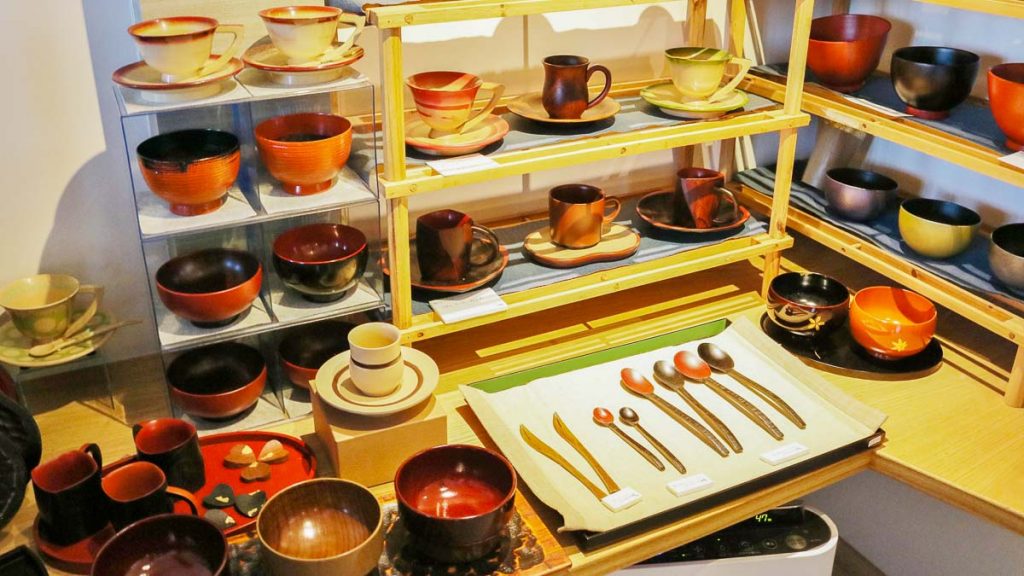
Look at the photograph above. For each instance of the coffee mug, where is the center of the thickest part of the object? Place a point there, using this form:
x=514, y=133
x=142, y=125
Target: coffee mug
x=69, y=497
x=444, y=100
x=565, y=94
x=697, y=72
x=698, y=197
x=41, y=306
x=576, y=214
x=180, y=47
x=375, y=358
x=444, y=242
x=308, y=33
x=139, y=490
x=173, y=445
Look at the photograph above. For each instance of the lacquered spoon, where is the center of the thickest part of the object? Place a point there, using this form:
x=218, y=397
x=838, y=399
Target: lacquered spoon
x=691, y=366
x=41, y=350
x=630, y=418
x=606, y=419
x=634, y=381
x=667, y=375
x=721, y=361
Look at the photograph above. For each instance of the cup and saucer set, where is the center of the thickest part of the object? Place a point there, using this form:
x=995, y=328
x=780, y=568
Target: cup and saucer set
x=565, y=99
x=698, y=205
x=695, y=90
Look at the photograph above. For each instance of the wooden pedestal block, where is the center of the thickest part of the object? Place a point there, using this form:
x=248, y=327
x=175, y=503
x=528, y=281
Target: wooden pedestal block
x=369, y=450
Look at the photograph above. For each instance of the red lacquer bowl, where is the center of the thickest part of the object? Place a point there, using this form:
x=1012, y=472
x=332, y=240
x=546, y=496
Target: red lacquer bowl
x=191, y=169
x=210, y=287
x=305, y=151
x=845, y=49
x=219, y=381
x=171, y=542
x=892, y=323
x=305, y=349
x=1006, y=96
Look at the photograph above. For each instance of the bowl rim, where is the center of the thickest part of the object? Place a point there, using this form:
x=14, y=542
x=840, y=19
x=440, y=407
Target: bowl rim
x=288, y=337
x=160, y=518
x=238, y=347
x=327, y=13
x=867, y=312
x=1005, y=229
x=160, y=285
x=862, y=17
x=361, y=238
x=998, y=70
x=890, y=184
x=912, y=202
x=899, y=54
x=844, y=303
x=413, y=82
x=262, y=127
x=232, y=148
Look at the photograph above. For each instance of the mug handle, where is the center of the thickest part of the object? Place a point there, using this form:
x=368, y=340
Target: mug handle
x=724, y=91
x=498, y=90
x=338, y=51
x=732, y=200
x=93, y=451
x=97, y=297
x=188, y=497
x=607, y=83
x=617, y=207
x=492, y=239
x=236, y=30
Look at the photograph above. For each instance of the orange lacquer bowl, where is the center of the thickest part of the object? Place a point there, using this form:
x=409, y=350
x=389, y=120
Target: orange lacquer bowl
x=191, y=169
x=892, y=323
x=305, y=151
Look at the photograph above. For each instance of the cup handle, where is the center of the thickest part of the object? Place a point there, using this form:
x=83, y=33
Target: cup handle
x=356, y=20
x=616, y=208
x=607, y=83
x=724, y=91
x=492, y=239
x=93, y=451
x=236, y=30
x=97, y=297
x=188, y=497
x=732, y=200
x=498, y=90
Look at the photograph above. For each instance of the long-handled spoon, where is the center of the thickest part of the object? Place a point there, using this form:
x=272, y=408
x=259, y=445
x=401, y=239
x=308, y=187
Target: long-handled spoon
x=691, y=366
x=634, y=381
x=629, y=417
x=568, y=436
x=605, y=418
x=721, y=361
x=41, y=350
x=667, y=375
x=540, y=446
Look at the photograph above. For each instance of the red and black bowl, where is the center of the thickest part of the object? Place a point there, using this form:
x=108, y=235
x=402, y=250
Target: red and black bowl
x=455, y=500
x=844, y=49
x=219, y=381
x=932, y=80
x=210, y=287
x=304, y=349
x=322, y=262
x=807, y=305
x=169, y=544
x=191, y=169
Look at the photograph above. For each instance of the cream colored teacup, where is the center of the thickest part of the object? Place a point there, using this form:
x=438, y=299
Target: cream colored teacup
x=41, y=306
x=697, y=73
x=180, y=47
x=375, y=355
x=307, y=34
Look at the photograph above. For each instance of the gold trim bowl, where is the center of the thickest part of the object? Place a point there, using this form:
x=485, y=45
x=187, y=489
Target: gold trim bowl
x=937, y=228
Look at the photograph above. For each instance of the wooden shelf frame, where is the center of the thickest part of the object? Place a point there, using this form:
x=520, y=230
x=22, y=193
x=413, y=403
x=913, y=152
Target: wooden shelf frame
x=1008, y=8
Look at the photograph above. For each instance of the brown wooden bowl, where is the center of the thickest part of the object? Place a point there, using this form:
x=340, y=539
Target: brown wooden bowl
x=219, y=381
x=210, y=287
x=844, y=49
x=165, y=542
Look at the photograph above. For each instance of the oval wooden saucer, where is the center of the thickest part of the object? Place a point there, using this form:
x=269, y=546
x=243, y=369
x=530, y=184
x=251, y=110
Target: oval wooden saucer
x=616, y=243
x=529, y=106
x=656, y=210
x=487, y=132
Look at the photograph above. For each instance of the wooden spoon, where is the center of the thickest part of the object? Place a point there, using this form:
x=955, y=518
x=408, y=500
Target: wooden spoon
x=42, y=350
x=721, y=361
x=629, y=417
x=540, y=446
x=563, y=430
x=667, y=375
x=605, y=418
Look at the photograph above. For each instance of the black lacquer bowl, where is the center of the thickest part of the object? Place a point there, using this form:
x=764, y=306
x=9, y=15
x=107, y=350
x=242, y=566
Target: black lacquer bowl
x=808, y=305
x=322, y=262
x=304, y=349
x=932, y=80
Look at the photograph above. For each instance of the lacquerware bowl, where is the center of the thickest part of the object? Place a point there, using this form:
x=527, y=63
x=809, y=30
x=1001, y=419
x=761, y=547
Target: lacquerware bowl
x=932, y=80
x=170, y=544
x=455, y=500
x=844, y=49
x=892, y=323
x=322, y=262
x=306, y=152
x=210, y=287
x=1006, y=255
x=857, y=194
x=1006, y=97
x=807, y=305
x=937, y=228
x=191, y=169
x=321, y=526
x=304, y=350
x=219, y=381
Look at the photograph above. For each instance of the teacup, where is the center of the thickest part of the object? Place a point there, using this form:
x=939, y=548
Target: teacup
x=173, y=445
x=41, y=306
x=697, y=73
x=445, y=100
x=307, y=34
x=444, y=243
x=180, y=47
x=375, y=358
x=698, y=198
x=139, y=490
x=576, y=214
x=71, y=502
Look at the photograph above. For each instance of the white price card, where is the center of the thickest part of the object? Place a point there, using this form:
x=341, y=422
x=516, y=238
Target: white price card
x=877, y=107
x=621, y=500
x=468, y=305
x=462, y=164
x=1015, y=159
x=688, y=484
x=785, y=453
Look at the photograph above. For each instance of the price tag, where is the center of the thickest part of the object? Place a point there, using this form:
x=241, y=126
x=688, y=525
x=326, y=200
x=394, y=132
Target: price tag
x=877, y=108
x=688, y=484
x=468, y=305
x=1015, y=159
x=621, y=500
x=462, y=164
x=784, y=453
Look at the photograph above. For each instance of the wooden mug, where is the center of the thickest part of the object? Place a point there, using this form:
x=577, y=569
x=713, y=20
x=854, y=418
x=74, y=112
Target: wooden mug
x=444, y=241
x=698, y=197
x=577, y=214
x=565, y=94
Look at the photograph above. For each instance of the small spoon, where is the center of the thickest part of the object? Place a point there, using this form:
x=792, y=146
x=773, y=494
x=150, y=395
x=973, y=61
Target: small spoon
x=634, y=381
x=721, y=361
x=667, y=375
x=630, y=418
x=41, y=350
x=691, y=366
x=605, y=418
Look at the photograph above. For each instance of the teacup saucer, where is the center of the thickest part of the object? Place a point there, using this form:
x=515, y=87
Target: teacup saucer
x=479, y=274
x=335, y=387
x=656, y=210
x=77, y=557
x=665, y=96
x=14, y=345
x=140, y=76
x=264, y=56
x=487, y=132
x=531, y=107
x=616, y=243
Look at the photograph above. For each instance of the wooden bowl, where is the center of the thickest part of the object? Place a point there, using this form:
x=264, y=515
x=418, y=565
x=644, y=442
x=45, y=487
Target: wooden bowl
x=807, y=305
x=322, y=262
x=937, y=228
x=305, y=151
x=1006, y=255
x=1006, y=97
x=219, y=381
x=191, y=169
x=304, y=350
x=210, y=287
x=169, y=543
x=845, y=49
x=892, y=323
x=321, y=526
x=933, y=80
x=455, y=500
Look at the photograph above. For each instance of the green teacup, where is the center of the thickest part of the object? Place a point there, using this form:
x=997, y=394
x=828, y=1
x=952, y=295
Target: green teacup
x=41, y=306
x=697, y=73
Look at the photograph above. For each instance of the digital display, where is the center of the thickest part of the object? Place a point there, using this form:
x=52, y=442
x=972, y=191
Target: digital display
x=763, y=518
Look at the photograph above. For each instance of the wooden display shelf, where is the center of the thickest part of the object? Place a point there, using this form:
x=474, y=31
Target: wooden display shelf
x=436, y=11
x=1010, y=8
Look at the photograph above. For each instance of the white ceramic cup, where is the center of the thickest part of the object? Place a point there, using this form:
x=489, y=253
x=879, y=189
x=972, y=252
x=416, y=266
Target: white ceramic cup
x=307, y=34
x=180, y=47
x=375, y=354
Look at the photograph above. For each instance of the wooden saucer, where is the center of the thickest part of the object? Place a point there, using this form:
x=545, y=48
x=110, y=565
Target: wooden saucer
x=617, y=242
x=335, y=387
x=656, y=210
x=487, y=132
x=665, y=96
x=529, y=106
x=479, y=274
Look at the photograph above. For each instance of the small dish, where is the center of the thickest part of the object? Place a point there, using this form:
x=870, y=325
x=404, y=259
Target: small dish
x=529, y=106
x=264, y=56
x=335, y=387
x=617, y=242
x=14, y=345
x=656, y=209
x=665, y=96
x=146, y=80
x=487, y=132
